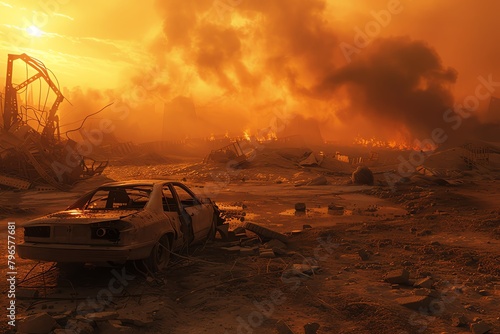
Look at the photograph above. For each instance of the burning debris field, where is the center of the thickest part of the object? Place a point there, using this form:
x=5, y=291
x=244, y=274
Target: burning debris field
x=249, y=167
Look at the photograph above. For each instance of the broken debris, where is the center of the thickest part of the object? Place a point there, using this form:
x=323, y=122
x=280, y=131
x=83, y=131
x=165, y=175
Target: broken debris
x=362, y=176
x=400, y=276
x=265, y=233
x=415, y=302
x=301, y=207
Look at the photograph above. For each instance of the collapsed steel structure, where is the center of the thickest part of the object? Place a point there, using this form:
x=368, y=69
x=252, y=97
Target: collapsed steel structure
x=36, y=155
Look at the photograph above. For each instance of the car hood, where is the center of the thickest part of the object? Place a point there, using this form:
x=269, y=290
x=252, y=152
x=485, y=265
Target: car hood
x=79, y=217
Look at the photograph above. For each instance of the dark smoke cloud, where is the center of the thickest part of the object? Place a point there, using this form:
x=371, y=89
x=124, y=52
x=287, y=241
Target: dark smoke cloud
x=246, y=59
x=396, y=81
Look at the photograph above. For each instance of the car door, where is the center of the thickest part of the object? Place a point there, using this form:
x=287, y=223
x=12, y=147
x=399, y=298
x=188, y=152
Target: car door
x=171, y=210
x=199, y=214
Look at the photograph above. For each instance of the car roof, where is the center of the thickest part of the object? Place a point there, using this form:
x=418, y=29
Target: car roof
x=146, y=182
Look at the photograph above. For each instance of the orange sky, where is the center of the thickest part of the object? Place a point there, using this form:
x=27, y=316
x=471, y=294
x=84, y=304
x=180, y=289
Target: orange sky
x=238, y=58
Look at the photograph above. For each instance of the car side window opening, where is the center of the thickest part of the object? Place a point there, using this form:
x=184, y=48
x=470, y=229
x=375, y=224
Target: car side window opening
x=168, y=200
x=185, y=197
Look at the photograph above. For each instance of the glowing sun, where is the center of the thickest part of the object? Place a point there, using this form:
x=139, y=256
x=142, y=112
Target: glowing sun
x=34, y=31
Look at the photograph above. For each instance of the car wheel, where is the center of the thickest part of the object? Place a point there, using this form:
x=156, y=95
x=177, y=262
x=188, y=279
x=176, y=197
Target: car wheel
x=160, y=255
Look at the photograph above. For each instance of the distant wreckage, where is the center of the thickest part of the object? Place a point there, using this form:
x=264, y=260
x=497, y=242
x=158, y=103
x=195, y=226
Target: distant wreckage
x=32, y=153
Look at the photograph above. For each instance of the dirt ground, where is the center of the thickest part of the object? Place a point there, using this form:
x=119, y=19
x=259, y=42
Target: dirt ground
x=450, y=233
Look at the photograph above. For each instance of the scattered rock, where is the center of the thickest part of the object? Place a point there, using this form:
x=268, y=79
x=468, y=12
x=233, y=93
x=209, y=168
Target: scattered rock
x=301, y=207
x=424, y=233
x=483, y=292
x=399, y=276
x=311, y=328
x=295, y=232
x=363, y=254
x=335, y=209
x=425, y=283
x=306, y=227
x=458, y=320
x=39, y=323
x=414, y=302
x=305, y=269
x=480, y=327
x=318, y=181
x=362, y=175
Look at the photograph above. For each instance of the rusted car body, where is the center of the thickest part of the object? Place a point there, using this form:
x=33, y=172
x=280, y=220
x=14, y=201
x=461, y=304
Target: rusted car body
x=121, y=221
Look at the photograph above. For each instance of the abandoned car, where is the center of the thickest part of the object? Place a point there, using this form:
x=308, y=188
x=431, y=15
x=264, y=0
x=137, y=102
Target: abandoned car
x=121, y=221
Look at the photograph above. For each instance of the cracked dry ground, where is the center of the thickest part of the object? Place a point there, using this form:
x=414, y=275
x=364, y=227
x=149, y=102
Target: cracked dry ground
x=452, y=235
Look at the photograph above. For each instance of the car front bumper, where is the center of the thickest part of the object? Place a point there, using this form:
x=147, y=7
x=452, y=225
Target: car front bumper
x=82, y=253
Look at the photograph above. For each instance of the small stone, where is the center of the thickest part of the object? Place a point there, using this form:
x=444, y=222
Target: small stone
x=483, y=292
x=39, y=323
x=295, y=232
x=424, y=233
x=414, y=302
x=363, y=255
x=362, y=175
x=301, y=207
x=406, y=247
x=458, y=320
x=311, y=328
x=480, y=327
x=424, y=283
x=306, y=227
x=400, y=276
x=305, y=269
